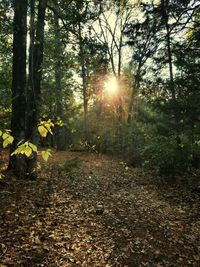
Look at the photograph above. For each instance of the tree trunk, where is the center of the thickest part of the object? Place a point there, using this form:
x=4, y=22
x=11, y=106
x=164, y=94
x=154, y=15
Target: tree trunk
x=135, y=88
x=18, y=163
x=30, y=88
x=31, y=103
x=60, y=130
x=35, y=77
x=84, y=84
x=171, y=75
x=38, y=50
x=131, y=103
x=165, y=5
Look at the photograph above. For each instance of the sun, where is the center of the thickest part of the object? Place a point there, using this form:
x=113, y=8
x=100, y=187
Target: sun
x=111, y=86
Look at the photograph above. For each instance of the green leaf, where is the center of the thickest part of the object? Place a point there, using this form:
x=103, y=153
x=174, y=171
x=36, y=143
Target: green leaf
x=198, y=142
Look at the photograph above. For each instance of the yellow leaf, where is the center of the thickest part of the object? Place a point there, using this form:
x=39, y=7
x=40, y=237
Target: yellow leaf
x=24, y=148
x=27, y=151
x=5, y=135
x=46, y=154
x=33, y=147
x=42, y=130
x=9, y=140
x=48, y=127
x=5, y=143
x=19, y=150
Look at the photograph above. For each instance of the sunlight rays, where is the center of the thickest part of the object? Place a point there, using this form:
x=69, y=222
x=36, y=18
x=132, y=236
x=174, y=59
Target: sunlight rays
x=111, y=86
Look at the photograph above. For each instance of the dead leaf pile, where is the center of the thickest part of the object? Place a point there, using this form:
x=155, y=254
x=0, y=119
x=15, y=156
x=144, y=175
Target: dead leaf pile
x=98, y=214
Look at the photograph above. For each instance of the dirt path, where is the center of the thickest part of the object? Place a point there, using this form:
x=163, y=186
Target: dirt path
x=97, y=214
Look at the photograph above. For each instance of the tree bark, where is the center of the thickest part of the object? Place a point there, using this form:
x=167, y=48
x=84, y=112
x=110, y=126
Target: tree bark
x=35, y=77
x=30, y=88
x=131, y=104
x=39, y=47
x=165, y=5
x=18, y=163
x=84, y=83
x=135, y=88
x=31, y=103
x=60, y=130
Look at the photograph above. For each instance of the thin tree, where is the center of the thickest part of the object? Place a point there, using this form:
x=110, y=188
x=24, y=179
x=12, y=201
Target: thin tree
x=60, y=130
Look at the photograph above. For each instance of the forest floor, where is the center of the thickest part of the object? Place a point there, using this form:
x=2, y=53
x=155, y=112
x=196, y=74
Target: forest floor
x=89, y=210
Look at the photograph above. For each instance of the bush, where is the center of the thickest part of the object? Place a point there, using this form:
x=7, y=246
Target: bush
x=165, y=156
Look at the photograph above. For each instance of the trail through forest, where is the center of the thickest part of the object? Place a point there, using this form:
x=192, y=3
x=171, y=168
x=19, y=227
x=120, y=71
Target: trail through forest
x=90, y=210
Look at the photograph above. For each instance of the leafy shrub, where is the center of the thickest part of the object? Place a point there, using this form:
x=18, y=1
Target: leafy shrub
x=165, y=156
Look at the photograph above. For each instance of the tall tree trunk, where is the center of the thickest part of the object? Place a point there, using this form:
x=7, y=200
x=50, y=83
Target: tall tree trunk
x=38, y=50
x=84, y=83
x=30, y=88
x=131, y=103
x=18, y=163
x=171, y=75
x=60, y=130
x=135, y=88
x=35, y=77
x=165, y=5
x=31, y=103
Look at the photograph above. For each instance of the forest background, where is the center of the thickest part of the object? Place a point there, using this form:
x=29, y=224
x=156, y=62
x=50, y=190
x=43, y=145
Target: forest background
x=116, y=77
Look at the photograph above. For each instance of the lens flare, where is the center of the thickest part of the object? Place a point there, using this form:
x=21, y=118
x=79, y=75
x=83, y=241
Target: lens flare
x=111, y=86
